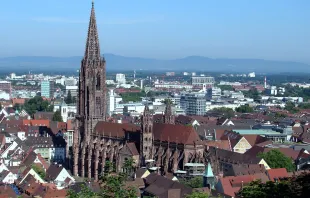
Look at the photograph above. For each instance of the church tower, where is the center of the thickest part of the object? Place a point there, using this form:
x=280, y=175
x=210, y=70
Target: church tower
x=168, y=116
x=146, y=137
x=91, y=100
x=92, y=88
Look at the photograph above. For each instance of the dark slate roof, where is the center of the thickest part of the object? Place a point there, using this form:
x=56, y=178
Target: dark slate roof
x=233, y=157
x=53, y=171
x=159, y=186
x=244, y=169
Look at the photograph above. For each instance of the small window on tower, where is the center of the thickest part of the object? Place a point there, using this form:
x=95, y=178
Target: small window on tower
x=98, y=82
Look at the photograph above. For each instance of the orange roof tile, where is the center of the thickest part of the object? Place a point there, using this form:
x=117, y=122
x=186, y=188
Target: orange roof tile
x=277, y=173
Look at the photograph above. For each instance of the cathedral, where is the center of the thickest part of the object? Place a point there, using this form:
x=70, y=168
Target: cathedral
x=158, y=145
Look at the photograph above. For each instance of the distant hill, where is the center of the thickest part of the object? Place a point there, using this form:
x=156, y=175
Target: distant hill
x=116, y=62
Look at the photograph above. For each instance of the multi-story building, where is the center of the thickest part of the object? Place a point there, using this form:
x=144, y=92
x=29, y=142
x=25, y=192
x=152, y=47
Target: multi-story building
x=47, y=89
x=70, y=81
x=120, y=78
x=214, y=93
x=6, y=86
x=200, y=80
x=194, y=103
x=73, y=90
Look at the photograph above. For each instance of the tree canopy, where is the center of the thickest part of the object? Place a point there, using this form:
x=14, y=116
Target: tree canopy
x=290, y=106
x=276, y=159
x=198, y=195
x=37, y=104
x=69, y=98
x=57, y=116
x=290, y=187
x=38, y=170
x=252, y=93
x=226, y=112
x=245, y=109
x=195, y=182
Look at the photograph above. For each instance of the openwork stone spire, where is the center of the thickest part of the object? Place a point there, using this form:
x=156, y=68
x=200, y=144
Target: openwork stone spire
x=92, y=51
x=168, y=116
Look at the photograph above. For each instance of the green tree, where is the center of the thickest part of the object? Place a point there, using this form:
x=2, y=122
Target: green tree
x=252, y=93
x=290, y=106
x=226, y=112
x=226, y=87
x=195, y=182
x=114, y=186
x=37, y=104
x=276, y=159
x=198, y=195
x=57, y=116
x=84, y=193
x=69, y=98
x=245, y=109
x=38, y=170
x=128, y=166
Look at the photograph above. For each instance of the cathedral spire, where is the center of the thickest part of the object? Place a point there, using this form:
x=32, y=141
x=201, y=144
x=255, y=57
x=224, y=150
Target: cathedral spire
x=92, y=51
x=168, y=116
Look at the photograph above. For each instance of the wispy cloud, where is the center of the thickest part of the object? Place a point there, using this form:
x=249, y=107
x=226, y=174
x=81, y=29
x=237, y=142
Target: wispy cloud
x=125, y=21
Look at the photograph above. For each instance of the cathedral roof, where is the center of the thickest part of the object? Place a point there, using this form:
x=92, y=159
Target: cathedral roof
x=115, y=129
x=176, y=133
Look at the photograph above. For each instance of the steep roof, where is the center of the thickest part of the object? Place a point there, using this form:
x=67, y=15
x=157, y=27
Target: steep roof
x=115, y=129
x=176, y=133
x=53, y=171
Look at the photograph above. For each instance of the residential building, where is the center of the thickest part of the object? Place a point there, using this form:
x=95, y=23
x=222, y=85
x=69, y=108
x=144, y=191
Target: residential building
x=120, y=79
x=200, y=80
x=6, y=87
x=193, y=103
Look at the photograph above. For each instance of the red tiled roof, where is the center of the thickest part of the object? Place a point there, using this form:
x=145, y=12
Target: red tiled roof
x=277, y=173
x=176, y=133
x=36, y=122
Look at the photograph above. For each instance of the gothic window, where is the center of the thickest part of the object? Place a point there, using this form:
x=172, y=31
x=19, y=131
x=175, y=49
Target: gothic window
x=98, y=82
x=87, y=100
x=98, y=106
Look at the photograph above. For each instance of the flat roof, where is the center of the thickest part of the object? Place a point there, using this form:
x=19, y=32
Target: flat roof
x=194, y=164
x=257, y=132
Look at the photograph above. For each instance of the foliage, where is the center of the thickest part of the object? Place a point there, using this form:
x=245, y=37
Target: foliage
x=114, y=186
x=128, y=166
x=295, y=91
x=275, y=159
x=84, y=193
x=226, y=112
x=195, y=182
x=280, y=115
x=0, y=106
x=290, y=106
x=37, y=104
x=108, y=167
x=252, y=93
x=290, y=187
x=245, y=109
x=132, y=96
x=57, y=116
x=69, y=98
x=304, y=106
x=38, y=170
x=225, y=87
x=198, y=195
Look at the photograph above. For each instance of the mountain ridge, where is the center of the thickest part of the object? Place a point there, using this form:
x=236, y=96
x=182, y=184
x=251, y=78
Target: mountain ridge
x=117, y=62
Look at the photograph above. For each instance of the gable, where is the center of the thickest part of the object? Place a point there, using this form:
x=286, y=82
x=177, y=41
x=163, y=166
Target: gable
x=243, y=144
x=263, y=162
x=125, y=150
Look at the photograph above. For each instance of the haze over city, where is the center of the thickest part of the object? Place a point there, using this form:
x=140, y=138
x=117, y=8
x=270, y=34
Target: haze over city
x=154, y=99
x=273, y=30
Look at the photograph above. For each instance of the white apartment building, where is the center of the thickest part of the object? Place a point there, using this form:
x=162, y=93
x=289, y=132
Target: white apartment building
x=120, y=78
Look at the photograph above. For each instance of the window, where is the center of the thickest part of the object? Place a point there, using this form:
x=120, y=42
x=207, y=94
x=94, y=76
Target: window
x=98, y=82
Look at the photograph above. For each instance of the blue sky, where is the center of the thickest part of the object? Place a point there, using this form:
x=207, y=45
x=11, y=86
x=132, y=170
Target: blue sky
x=163, y=29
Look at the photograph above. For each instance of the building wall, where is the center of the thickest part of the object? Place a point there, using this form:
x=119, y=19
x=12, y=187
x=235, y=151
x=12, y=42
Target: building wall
x=242, y=146
x=46, y=89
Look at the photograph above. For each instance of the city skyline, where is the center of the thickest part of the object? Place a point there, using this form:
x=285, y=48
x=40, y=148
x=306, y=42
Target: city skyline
x=266, y=30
